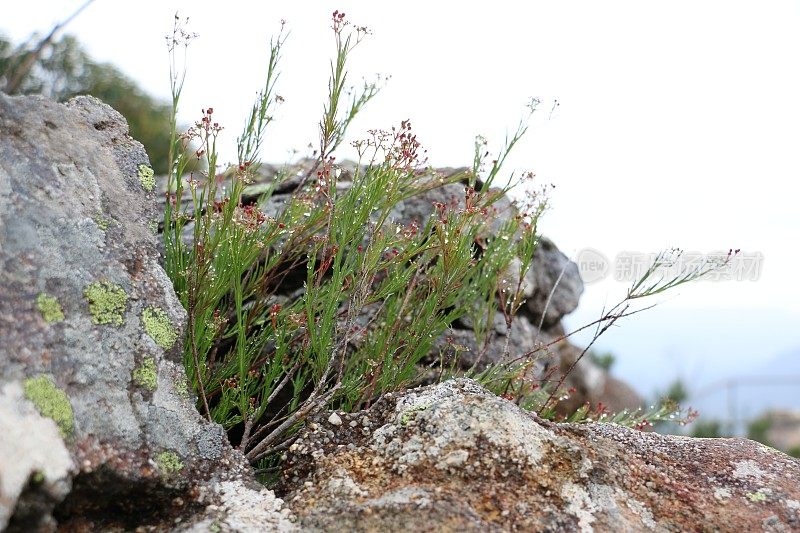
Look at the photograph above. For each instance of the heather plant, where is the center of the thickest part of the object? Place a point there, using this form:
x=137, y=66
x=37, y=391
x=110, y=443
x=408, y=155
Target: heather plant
x=376, y=294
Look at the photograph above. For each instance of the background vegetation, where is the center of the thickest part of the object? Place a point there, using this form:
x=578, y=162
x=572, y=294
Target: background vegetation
x=63, y=69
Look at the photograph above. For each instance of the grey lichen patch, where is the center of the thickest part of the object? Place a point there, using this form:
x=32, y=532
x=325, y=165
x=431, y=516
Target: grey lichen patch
x=580, y=505
x=169, y=463
x=107, y=302
x=146, y=375
x=642, y=511
x=50, y=401
x=748, y=469
x=49, y=307
x=158, y=325
x=147, y=178
x=153, y=227
x=722, y=494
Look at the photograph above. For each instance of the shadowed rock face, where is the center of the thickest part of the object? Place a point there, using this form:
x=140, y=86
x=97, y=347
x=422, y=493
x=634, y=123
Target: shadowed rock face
x=92, y=384
x=454, y=457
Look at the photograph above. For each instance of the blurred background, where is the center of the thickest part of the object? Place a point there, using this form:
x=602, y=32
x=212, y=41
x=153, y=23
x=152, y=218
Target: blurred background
x=661, y=125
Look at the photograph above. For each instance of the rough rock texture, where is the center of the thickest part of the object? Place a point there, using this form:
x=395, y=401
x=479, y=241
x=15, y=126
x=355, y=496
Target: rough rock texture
x=243, y=509
x=454, y=457
x=97, y=426
x=554, y=285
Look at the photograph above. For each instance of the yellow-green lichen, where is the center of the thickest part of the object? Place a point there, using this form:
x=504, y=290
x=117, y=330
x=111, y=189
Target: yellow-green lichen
x=50, y=401
x=169, y=463
x=49, y=307
x=102, y=223
x=158, y=325
x=409, y=414
x=153, y=227
x=106, y=302
x=182, y=387
x=147, y=178
x=146, y=375
x=756, y=497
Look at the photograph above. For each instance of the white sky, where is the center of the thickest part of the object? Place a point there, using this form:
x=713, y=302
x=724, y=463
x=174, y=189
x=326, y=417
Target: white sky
x=679, y=125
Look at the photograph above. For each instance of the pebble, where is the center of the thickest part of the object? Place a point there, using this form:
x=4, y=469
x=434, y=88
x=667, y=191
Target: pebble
x=335, y=419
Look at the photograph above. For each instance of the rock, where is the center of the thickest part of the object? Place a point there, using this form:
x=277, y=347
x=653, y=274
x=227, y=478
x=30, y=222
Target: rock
x=520, y=343
x=618, y=396
x=554, y=285
x=243, y=509
x=34, y=459
x=455, y=457
x=98, y=427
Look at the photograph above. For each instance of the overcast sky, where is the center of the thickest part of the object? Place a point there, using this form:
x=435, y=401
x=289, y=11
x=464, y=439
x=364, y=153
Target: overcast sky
x=678, y=125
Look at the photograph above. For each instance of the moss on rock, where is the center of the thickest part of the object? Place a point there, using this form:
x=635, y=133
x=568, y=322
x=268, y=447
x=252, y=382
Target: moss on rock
x=146, y=375
x=106, y=302
x=49, y=307
x=158, y=325
x=50, y=401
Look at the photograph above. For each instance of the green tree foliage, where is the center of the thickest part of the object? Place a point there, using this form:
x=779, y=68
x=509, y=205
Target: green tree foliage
x=604, y=360
x=707, y=429
x=64, y=69
x=676, y=392
x=759, y=428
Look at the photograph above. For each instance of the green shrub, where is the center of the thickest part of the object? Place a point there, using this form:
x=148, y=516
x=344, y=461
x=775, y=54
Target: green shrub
x=758, y=429
x=262, y=365
x=707, y=429
x=604, y=360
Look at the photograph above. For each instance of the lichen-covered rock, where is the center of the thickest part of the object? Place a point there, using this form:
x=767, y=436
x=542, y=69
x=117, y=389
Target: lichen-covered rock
x=242, y=508
x=33, y=458
x=93, y=384
x=454, y=457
